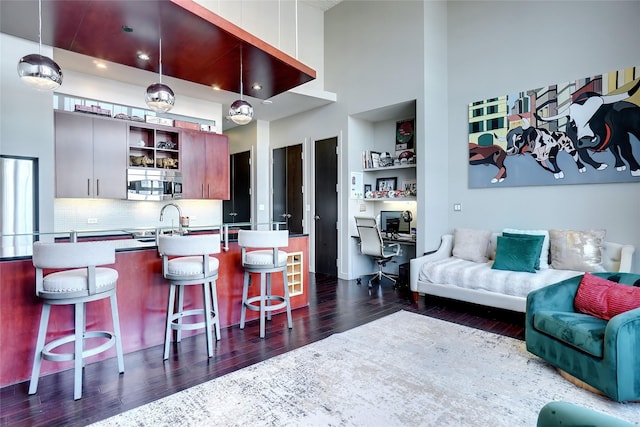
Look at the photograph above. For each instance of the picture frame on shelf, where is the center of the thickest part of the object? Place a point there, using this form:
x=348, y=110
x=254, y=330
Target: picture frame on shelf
x=409, y=185
x=386, y=184
x=367, y=188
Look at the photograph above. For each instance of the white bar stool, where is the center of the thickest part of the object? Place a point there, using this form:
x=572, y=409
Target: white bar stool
x=186, y=261
x=82, y=282
x=265, y=262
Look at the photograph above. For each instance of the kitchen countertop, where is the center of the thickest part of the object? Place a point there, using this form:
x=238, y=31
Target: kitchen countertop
x=18, y=247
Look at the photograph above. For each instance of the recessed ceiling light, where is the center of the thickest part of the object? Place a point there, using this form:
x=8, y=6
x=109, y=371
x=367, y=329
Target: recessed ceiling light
x=100, y=64
x=215, y=87
x=267, y=102
x=257, y=86
x=143, y=56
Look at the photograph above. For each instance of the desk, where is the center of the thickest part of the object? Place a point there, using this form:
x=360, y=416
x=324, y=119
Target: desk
x=407, y=252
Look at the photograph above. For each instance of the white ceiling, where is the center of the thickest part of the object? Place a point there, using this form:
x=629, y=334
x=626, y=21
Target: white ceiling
x=322, y=4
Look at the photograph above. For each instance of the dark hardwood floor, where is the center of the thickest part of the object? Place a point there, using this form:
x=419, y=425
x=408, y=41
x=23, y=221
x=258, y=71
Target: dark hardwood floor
x=335, y=306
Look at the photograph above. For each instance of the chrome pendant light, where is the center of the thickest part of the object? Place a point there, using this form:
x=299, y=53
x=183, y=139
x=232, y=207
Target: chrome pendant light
x=160, y=97
x=241, y=112
x=38, y=71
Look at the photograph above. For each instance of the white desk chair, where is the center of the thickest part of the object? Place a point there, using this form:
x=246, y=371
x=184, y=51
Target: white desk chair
x=185, y=262
x=371, y=244
x=264, y=262
x=80, y=283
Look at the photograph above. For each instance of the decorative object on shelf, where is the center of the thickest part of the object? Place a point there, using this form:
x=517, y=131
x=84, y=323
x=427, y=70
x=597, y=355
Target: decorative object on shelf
x=38, y=71
x=405, y=133
x=409, y=186
x=385, y=160
x=92, y=109
x=241, y=112
x=143, y=161
x=160, y=97
x=386, y=184
x=159, y=120
x=407, y=157
x=166, y=145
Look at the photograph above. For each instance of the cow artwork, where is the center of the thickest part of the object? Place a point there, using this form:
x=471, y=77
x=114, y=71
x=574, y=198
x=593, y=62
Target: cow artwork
x=581, y=132
x=605, y=122
x=544, y=146
x=489, y=155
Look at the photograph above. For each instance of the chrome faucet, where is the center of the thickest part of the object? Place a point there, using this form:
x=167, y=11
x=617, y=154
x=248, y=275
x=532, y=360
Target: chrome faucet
x=179, y=215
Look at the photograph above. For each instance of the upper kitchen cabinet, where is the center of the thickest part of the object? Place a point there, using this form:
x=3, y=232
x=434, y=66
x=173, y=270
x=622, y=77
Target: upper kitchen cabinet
x=153, y=147
x=205, y=165
x=90, y=156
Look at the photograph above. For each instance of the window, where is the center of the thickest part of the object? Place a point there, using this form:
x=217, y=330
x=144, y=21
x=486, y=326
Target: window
x=477, y=112
x=475, y=127
x=495, y=123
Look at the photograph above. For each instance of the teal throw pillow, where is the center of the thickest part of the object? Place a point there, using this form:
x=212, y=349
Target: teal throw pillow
x=516, y=254
x=536, y=237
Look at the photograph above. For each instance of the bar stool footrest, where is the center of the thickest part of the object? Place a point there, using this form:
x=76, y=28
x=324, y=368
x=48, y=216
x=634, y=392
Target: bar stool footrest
x=190, y=326
x=253, y=303
x=48, y=354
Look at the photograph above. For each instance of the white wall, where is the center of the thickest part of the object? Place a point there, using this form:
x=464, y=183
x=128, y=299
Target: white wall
x=26, y=120
x=500, y=47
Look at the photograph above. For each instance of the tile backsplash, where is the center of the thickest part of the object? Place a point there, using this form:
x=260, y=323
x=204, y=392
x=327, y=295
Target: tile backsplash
x=102, y=214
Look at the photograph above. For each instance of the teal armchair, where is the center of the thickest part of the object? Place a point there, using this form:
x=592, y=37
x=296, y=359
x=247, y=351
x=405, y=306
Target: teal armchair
x=603, y=354
x=565, y=414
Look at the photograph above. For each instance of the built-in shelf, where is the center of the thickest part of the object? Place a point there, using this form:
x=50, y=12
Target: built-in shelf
x=384, y=168
x=294, y=273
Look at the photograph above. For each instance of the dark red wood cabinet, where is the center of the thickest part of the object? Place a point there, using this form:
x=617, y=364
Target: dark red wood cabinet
x=205, y=166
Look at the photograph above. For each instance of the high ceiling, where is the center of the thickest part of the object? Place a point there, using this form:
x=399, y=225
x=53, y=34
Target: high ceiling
x=197, y=45
x=199, y=50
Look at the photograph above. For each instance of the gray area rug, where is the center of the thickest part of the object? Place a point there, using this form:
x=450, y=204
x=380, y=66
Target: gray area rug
x=402, y=370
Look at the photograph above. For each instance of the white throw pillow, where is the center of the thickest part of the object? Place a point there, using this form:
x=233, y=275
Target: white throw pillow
x=471, y=244
x=544, y=255
x=577, y=250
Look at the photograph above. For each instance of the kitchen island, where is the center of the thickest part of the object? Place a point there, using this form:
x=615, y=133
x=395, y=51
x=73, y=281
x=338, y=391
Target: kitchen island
x=142, y=303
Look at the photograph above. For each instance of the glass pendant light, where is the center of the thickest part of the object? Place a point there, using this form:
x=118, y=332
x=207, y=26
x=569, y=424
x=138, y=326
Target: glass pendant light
x=38, y=71
x=241, y=112
x=160, y=97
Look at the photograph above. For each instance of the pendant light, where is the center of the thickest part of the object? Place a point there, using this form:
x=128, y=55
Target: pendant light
x=241, y=112
x=160, y=97
x=38, y=71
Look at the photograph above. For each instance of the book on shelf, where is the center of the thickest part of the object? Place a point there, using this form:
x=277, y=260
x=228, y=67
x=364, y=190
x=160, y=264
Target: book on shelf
x=370, y=159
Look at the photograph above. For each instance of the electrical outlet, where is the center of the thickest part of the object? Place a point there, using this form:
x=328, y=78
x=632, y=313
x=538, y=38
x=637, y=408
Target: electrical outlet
x=363, y=207
x=457, y=207
x=92, y=220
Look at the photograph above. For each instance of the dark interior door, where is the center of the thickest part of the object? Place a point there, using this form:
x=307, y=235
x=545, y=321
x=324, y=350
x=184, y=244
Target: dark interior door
x=238, y=207
x=287, y=187
x=326, y=206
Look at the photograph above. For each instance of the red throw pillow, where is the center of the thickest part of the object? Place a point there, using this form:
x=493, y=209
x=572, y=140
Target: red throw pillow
x=605, y=299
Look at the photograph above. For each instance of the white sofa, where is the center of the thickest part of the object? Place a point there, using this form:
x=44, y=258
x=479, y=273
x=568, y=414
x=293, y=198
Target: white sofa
x=442, y=274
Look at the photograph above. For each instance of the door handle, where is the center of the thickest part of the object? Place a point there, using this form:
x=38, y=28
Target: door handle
x=316, y=217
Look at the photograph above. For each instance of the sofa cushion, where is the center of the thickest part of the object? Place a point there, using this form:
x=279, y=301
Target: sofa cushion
x=544, y=252
x=577, y=250
x=582, y=331
x=517, y=254
x=537, y=237
x=605, y=299
x=456, y=272
x=471, y=244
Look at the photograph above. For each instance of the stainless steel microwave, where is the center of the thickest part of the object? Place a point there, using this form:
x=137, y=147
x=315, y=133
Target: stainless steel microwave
x=154, y=184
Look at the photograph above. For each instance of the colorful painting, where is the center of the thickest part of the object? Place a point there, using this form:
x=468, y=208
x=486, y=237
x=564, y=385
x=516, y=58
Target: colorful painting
x=582, y=132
